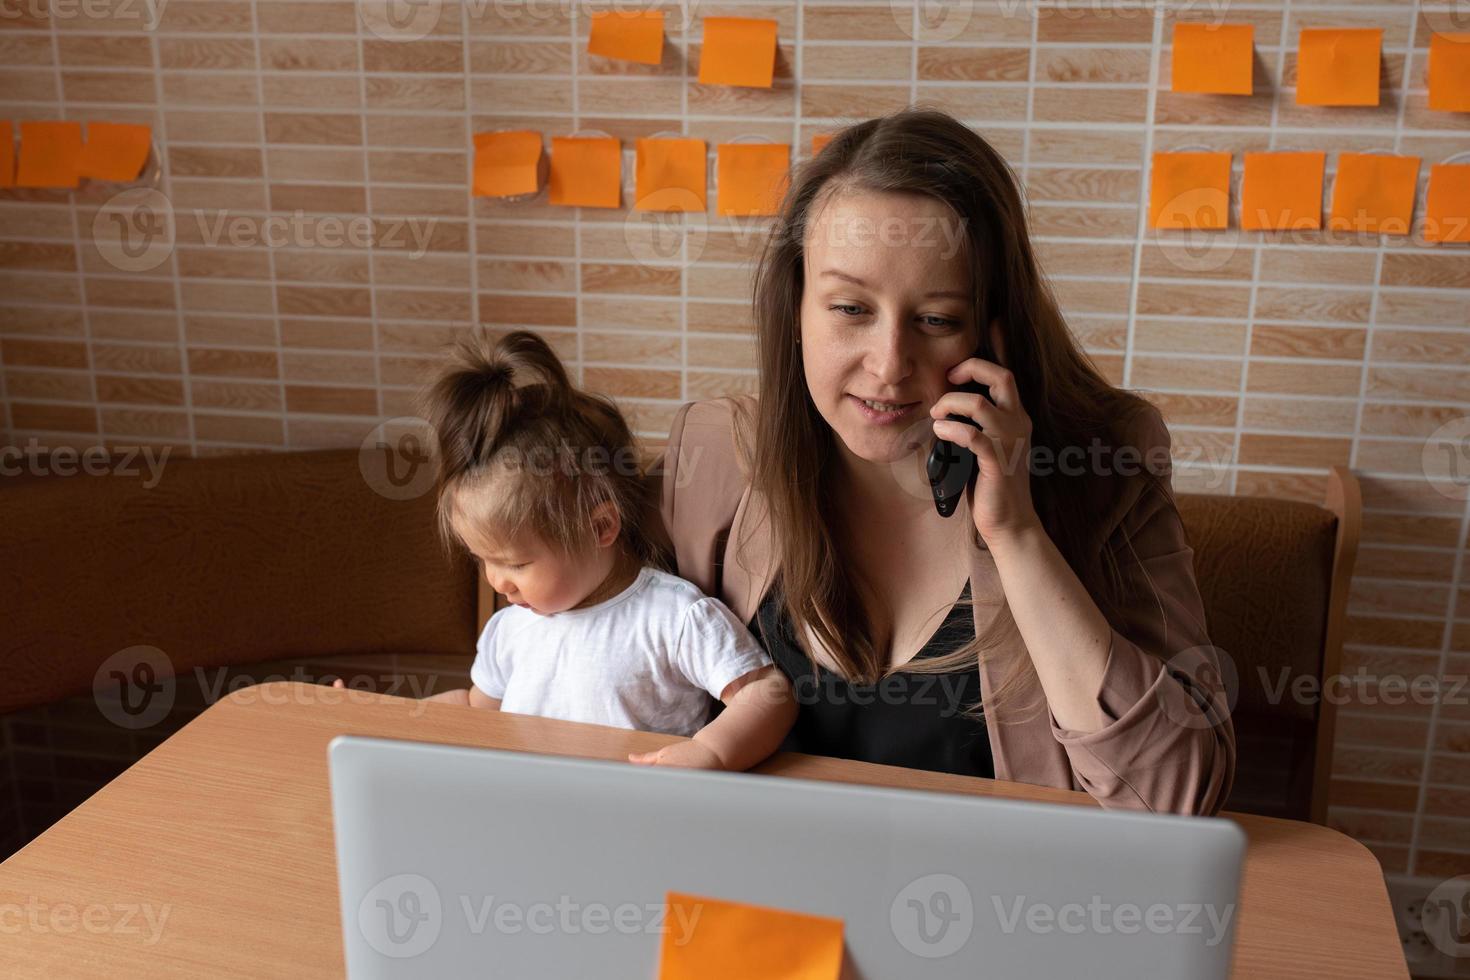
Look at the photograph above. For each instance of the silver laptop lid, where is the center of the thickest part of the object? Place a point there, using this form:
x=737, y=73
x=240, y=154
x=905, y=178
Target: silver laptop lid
x=465, y=862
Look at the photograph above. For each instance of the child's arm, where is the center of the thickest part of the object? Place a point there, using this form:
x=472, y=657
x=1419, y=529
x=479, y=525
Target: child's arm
x=759, y=711
x=472, y=696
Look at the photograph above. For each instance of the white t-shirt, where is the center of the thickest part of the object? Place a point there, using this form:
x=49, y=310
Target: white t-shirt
x=650, y=658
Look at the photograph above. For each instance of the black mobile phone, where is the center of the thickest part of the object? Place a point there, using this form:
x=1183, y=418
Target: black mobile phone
x=951, y=467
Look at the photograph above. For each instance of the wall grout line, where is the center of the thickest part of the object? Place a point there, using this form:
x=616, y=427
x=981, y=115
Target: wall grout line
x=165, y=178
x=1403, y=97
x=372, y=246
x=72, y=206
x=270, y=253
x=1145, y=169
x=1257, y=259
x=472, y=230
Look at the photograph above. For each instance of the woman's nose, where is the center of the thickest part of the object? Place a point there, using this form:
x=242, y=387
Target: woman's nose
x=888, y=356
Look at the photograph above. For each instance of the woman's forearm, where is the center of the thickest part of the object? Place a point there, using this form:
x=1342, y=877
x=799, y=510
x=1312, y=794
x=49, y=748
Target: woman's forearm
x=752, y=725
x=1066, y=634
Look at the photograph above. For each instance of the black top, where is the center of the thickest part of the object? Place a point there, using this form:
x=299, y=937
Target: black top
x=908, y=718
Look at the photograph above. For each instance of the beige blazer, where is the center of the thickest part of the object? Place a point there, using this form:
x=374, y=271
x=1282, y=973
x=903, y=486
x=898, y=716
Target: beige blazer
x=1159, y=752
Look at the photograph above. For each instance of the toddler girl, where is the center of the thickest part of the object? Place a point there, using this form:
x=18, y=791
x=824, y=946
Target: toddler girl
x=541, y=483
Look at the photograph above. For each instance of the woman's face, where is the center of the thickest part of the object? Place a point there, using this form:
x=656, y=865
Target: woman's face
x=885, y=313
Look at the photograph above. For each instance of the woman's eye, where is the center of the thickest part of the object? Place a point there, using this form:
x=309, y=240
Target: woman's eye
x=843, y=308
x=939, y=322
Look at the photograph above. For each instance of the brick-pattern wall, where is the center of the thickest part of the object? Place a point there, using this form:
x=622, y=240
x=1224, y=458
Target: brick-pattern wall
x=1273, y=357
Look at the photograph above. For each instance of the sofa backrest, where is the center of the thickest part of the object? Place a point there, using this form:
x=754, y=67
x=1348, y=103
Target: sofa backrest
x=223, y=561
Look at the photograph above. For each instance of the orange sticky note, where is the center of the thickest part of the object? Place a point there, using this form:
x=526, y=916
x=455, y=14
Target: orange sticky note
x=750, y=178
x=1447, y=203
x=669, y=175
x=7, y=154
x=1189, y=190
x=1282, y=191
x=1373, y=192
x=820, y=140
x=734, y=941
x=738, y=51
x=114, y=151
x=632, y=36
x=1216, y=58
x=586, y=171
x=1337, y=66
x=49, y=153
x=1449, y=72
x=507, y=164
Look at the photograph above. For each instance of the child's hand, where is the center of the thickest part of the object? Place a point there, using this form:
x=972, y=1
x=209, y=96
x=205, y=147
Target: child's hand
x=688, y=754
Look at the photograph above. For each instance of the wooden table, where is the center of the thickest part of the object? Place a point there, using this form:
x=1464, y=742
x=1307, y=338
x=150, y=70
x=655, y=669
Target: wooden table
x=213, y=855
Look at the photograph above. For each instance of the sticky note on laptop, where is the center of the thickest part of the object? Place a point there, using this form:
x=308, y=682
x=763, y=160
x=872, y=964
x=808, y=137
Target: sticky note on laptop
x=712, y=939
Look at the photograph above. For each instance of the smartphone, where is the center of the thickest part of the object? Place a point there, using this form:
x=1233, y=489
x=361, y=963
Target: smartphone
x=951, y=467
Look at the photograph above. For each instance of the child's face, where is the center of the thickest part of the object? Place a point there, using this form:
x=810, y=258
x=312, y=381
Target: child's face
x=530, y=573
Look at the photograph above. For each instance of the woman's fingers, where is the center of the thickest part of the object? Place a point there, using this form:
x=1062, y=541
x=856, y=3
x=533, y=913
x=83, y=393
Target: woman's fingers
x=1001, y=382
x=962, y=435
x=643, y=758
x=970, y=405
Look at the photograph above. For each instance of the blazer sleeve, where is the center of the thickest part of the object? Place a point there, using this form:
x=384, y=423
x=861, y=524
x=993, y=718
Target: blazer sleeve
x=701, y=488
x=1169, y=745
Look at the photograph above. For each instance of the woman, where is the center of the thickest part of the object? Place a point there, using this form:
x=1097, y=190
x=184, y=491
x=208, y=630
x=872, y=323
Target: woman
x=1076, y=655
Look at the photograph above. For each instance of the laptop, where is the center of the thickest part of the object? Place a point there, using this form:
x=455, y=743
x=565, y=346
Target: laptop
x=468, y=862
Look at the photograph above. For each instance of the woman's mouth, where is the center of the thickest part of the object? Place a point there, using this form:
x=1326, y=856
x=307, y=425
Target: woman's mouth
x=881, y=412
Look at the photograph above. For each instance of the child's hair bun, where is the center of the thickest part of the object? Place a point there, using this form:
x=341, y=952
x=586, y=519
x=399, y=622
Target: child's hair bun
x=505, y=408
x=520, y=359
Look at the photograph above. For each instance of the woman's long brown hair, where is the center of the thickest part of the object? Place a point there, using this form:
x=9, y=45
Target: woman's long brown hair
x=925, y=152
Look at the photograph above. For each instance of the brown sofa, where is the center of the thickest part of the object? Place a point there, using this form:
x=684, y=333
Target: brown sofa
x=254, y=564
